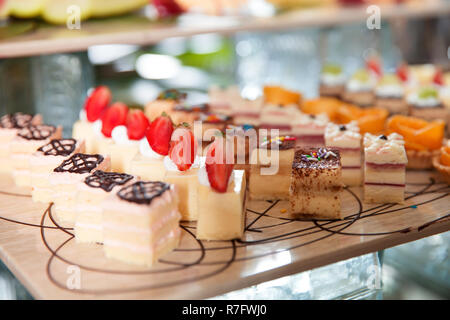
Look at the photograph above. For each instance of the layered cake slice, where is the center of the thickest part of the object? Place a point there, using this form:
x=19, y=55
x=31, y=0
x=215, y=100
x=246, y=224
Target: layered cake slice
x=221, y=100
x=90, y=118
x=91, y=193
x=246, y=111
x=181, y=166
x=316, y=184
x=65, y=178
x=221, y=196
x=384, y=168
x=347, y=139
x=27, y=141
x=278, y=117
x=126, y=141
x=309, y=129
x=148, y=163
x=47, y=158
x=390, y=95
x=214, y=121
x=165, y=102
x=141, y=222
x=270, y=170
x=10, y=125
x=332, y=81
x=360, y=89
x=184, y=113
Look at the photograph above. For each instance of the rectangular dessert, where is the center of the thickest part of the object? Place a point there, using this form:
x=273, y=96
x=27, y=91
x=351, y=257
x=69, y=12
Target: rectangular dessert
x=10, y=125
x=247, y=111
x=65, y=178
x=90, y=196
x=47, y=158
x=270, y=169
x=277, y=117
x=316, y=183
x=215, y=220
x=165, y=102
x=221, y=100
x=384, y=168
x=141, y=222
x=347, y=139
x=27, y=141
x=309, y=129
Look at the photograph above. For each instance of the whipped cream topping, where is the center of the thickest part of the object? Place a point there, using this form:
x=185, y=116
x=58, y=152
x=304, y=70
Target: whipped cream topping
x=390, y=90
x=171, y=166
x=97, y=127
x=319, y=120
x=120, y=136
x=83, y=116
x=147, y=151
x=355, y=85
x=385, y=149
x=331, y=79
x=343, y=136
x=428, y=102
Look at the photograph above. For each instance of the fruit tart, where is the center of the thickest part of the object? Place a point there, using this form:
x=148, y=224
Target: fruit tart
x=426, y=104
x=442, y=162
x=332, y=81
x=422, y=139
x=360, y=89
x=389, y=94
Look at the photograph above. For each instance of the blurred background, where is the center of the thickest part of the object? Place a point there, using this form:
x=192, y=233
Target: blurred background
x=50, y=57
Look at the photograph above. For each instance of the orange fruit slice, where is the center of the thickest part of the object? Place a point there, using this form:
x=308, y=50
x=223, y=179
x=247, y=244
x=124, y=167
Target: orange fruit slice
x=445, y=156
x=281, y=96
x=326, y=105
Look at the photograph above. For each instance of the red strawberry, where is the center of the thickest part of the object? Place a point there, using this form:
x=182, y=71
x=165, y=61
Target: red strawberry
x=167, y=8
x=438, y=78
x=137, y=123
x=159, y=134
x=183, y=148
x=219, y=172
x=374, y=65
x=114, y=116
x=402, y=72
x=97, y=102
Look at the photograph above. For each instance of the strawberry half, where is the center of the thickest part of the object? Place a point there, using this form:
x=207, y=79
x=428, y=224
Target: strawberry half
x=402, y=72
x=219, y=172
x=438, y=78
x=374, y=65
x=167, y=8
x=137, y=124
x=97, y=102
x=159, y=134
x=116, y=115
x=183, y=148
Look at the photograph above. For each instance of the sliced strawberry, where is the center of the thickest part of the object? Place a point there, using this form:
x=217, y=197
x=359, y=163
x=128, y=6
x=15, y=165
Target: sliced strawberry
x=219, y=172
x=97, y=102
x=402, y=72
x=167, y=8
x=137, y=124
x=438, y=78
x=114, y=116
x=374, y=65
x=159, y=134
x=183, y=148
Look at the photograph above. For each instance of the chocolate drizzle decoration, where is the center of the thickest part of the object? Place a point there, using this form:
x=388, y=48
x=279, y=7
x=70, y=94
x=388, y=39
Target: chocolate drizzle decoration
x=143, y=192
x=80, y=163
x=15, y=121
x=59, y=147
x=39, y=132
x=107, y=180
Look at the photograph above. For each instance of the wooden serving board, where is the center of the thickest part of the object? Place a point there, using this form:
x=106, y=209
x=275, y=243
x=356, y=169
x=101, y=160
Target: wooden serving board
x=48, y=261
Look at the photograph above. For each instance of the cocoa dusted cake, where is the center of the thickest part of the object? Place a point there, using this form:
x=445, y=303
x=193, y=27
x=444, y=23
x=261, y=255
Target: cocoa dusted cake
x=316, y=183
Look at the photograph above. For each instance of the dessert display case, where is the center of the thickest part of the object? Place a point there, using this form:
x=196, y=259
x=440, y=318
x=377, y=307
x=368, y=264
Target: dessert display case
x=49, y=69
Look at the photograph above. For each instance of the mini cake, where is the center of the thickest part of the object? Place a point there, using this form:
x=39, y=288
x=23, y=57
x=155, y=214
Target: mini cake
x=141, y=222
x=316, y=184
x=221, y=197
x=244, y=139
x=27, y=141
x=359, y=90
x=184, y=113
x=148, y=162
x=221, y=100
x=181, y=166
x=390, y=94
x=426, y=104
x=165, y=102
x=47, y=158
x=247, y=111
x=271, y=166
x=442, y=162
x=422, y=139
x=10, y=125
x=126, y=141
x=214, y=121
x=332, y=81
x=90, y=122
x=309, y=129
x=384, y=168
x=88, y=205
x=277, y=117
x=114, y=116
x=347, y=139
x=65, y=178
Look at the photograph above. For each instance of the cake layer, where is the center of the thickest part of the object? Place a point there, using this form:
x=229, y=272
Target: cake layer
x=121, y=156
x=352, y=176
x=43, y=195
x=87, y=233
x=64, y=214
x=384, y=193
x=5, y=165
x=22, y=178
x=147, y=168
x=274, y=187
x=386, y=176
x=83, y=130
x=351, y=158
x=187, y=186
x=326, y=206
